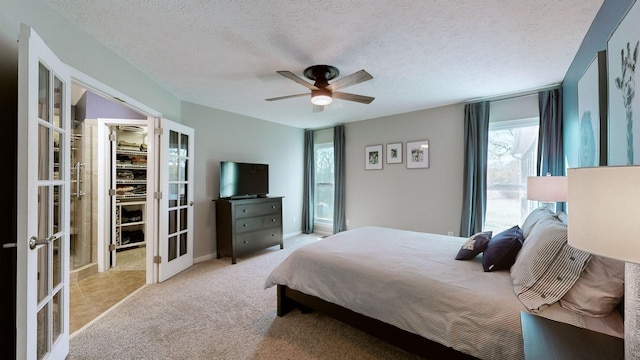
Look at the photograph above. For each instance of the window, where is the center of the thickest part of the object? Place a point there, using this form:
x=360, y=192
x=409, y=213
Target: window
x=324, y=178
x=511, y=158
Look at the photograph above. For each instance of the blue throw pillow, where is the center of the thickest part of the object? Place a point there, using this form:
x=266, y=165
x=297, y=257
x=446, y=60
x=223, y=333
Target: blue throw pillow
x=502, y=250
x=474, y=245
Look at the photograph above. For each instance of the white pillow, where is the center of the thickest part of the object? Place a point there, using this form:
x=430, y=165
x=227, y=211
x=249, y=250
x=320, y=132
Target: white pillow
x=598, y=290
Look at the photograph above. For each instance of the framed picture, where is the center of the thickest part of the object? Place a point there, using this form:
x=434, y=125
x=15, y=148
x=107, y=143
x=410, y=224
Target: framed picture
x=592, y=110
x=418, y=154
x=394, y=153
x=373, y=157
x=624, y=105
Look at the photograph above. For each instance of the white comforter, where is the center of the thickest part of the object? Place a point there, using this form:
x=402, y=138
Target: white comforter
x=411, y=280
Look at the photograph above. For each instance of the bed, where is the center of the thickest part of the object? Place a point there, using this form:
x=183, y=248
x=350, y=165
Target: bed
x=407, y=288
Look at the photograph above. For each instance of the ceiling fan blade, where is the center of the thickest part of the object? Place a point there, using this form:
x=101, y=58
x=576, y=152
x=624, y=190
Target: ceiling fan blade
x=296, y=78
x=355, y=78
x=353, y=97
x=287, y=97
x=318, y=108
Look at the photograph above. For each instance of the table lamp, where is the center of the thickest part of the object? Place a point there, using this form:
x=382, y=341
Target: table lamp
x=547, y=189
x=604, y=219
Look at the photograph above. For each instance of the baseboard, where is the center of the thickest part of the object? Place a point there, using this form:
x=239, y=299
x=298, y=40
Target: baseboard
x=204, y=258
x=295, y=233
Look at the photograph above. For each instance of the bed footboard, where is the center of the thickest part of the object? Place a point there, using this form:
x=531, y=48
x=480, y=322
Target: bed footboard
x=289, y=299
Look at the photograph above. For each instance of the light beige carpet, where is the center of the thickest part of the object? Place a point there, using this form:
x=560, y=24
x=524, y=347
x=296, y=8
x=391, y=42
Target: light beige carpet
x=131, y=259
x=215, y=310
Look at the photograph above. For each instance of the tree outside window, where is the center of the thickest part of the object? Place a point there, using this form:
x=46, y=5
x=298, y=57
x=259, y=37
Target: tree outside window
x=324, y=183
x=511, y=158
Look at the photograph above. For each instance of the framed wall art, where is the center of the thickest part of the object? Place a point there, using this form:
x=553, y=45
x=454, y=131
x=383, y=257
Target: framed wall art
x=373, y=157
x=592, y=110
x=418, y=154
x=623, y=101
x=394, y=153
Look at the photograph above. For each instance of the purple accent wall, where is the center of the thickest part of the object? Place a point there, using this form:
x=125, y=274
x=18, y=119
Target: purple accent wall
x=92, y=106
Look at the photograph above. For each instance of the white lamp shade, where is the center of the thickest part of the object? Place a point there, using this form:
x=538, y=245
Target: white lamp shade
x=547, y=188
x=604, y=211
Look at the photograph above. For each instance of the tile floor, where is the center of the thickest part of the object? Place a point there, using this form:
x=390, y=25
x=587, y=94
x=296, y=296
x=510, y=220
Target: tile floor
x=95, y=294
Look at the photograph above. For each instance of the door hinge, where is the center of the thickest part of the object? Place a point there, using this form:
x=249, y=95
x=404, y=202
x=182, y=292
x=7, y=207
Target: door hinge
x=158, y=131
x=112, y=247
x=157, y=259
x=157, y=195
x=112, y=192
x=112, y=137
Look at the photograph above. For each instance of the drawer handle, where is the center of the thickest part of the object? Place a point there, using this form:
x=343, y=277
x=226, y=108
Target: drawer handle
x=245, y=242
x=244, y=210
x=273, y=235
x=273, y=206
x=273, y=220
x=244, y=225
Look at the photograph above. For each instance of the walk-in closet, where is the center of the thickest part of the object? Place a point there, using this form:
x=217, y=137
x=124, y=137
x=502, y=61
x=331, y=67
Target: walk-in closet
x=108, y=204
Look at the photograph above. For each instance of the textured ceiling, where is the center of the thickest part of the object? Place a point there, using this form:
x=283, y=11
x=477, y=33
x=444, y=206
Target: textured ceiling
x=422, y=53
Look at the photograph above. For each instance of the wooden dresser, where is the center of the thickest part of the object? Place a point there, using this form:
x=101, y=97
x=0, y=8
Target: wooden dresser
x=247, y=225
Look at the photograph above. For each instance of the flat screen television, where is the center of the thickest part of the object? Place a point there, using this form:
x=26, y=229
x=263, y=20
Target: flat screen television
x=243, y=180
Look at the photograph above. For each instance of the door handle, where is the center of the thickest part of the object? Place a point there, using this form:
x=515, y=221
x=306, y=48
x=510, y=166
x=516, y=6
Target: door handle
x=34, y=241
x=191, y=203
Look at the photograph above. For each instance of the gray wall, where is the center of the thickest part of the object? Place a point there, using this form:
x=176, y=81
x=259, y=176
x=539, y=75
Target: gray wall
x=418, y=199
x=414, y=199
x=77, y=49
x=224, y=136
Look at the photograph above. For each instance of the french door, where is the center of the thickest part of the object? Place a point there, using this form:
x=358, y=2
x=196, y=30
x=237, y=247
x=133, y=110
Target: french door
x=42, y=304
x=176, y=199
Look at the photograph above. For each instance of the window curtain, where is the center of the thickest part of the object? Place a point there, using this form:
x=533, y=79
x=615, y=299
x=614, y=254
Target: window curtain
x=476, y=143
x=339, y=223
x=550, y=143
x=309, y=181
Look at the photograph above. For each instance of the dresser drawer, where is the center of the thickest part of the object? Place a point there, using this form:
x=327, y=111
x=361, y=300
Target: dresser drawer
x=257, y=223
x=258, y=240
x=249, y=224
x=257, y=209
x=271, y=220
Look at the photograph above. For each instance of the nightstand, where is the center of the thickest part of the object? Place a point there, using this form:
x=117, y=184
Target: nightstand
x=548, y=339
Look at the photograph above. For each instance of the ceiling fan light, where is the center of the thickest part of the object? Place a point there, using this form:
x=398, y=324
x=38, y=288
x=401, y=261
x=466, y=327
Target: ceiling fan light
x=321, y=100
x=321, y=97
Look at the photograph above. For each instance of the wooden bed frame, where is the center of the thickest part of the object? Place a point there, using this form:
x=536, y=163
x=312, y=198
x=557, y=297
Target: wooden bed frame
x=289, y=299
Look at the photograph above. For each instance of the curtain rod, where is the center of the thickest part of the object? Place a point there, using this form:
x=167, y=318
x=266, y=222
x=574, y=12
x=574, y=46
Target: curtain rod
x=514, y=95
x=325, y=128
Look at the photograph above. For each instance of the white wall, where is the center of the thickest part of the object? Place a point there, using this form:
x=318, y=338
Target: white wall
x=414, y=199
x=225, y=136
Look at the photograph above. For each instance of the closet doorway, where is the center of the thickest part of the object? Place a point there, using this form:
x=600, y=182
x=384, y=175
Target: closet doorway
x=108, y=254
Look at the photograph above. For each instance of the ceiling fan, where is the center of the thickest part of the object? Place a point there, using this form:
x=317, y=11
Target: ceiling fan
x=322, y=93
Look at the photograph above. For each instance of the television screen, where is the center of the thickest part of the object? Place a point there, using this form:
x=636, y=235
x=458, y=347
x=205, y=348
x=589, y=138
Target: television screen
x=241, y=180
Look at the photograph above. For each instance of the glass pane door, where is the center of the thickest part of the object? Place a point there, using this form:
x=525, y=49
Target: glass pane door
x=43, y=202
x=176, y=210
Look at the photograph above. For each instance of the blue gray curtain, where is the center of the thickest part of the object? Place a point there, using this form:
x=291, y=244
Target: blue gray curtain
x=339, y=222
x=309, y=181
x=474, y=192
x=550, y=141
